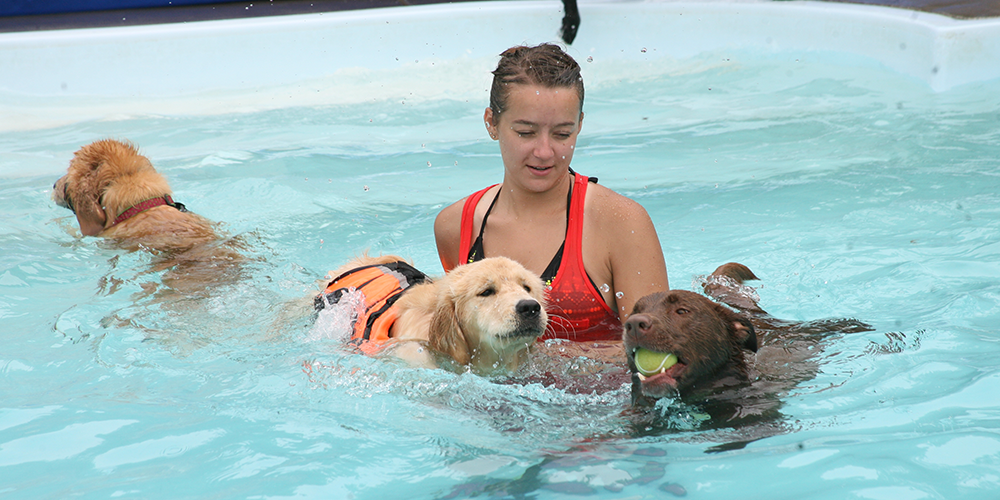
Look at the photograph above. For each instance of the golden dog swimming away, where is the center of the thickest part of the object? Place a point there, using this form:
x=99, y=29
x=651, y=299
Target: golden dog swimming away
x=483, y=315
x=116, y=193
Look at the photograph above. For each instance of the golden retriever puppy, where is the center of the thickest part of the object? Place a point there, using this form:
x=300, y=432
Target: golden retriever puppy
x=482, y=315
x=116, y=193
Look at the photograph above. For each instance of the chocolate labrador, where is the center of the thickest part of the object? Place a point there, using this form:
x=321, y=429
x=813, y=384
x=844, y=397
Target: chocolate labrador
x=730, y=360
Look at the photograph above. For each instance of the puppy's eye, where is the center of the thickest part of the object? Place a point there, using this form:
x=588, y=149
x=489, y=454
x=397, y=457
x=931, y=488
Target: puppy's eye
x=487, y=292
x=527, y=288
x=681, y=310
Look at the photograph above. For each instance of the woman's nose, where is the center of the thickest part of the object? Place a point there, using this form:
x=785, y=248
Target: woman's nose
x=543, y=148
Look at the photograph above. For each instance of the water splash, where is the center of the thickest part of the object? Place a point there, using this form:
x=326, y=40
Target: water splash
x=336, y=321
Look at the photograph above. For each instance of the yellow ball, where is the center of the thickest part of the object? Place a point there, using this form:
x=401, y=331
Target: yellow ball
x=651, y=362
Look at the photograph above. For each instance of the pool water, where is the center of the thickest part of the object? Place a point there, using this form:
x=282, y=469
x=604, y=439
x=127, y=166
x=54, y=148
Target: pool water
x=850, y=190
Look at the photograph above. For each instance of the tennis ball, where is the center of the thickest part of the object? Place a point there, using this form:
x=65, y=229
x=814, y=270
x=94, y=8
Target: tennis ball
x=651, y=362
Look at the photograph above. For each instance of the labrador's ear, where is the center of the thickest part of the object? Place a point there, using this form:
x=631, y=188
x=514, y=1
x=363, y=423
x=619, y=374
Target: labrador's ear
x=740, y=328
x=744, y=334
x=446, y=334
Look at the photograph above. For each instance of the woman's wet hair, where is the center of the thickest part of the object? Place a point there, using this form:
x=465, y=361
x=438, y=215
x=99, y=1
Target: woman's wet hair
x=546, y=65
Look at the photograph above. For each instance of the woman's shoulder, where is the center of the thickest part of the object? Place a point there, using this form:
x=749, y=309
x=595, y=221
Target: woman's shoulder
x=449, y=219
x=449, y=215
x=609, y=206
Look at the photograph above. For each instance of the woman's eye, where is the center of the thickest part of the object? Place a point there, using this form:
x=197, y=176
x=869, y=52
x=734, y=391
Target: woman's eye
x=487, y=292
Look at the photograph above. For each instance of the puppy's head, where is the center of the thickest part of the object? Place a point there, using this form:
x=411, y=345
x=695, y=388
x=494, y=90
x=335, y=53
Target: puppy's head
x=487, y=312
x=104, y=179
x=676, y=339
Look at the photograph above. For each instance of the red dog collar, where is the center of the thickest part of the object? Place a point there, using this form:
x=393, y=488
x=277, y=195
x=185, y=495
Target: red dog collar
x=146, y=205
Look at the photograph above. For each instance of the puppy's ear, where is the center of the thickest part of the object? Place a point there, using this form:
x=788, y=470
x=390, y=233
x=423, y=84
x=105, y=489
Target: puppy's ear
x=740, y=328
x=446, y=334
x=86, y=197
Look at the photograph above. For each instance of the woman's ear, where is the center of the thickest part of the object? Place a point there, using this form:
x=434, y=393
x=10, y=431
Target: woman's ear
x=491, y=125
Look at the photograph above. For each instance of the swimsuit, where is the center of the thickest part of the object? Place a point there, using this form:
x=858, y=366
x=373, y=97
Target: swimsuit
x=577, y=311
x=381, y=285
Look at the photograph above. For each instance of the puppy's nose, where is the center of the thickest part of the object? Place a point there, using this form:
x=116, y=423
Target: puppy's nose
x=528, y=308
x=637, y=324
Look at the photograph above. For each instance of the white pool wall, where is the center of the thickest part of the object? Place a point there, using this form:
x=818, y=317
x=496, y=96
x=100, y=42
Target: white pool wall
x=50, y=78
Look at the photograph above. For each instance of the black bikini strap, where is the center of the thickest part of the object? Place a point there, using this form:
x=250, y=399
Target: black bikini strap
x=482, y=226
x=552, y=269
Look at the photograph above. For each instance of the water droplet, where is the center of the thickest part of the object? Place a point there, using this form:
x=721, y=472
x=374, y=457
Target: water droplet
x=605, y=288
x=538, y=93
x=619, y=295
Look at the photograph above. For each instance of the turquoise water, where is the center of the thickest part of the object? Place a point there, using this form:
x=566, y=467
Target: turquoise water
x=851, y=191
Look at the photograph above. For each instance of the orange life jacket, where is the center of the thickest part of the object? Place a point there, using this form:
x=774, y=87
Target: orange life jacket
x=381, y=285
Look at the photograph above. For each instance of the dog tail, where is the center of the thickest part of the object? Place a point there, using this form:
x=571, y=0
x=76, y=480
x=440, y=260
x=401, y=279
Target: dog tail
x=726, y=285
x=738, y=272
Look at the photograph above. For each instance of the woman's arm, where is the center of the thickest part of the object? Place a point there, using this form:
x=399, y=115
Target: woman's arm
x=447, y=232
x=637, y=263
x=633, y=256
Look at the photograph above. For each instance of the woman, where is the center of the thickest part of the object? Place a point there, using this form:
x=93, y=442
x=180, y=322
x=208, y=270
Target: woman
x=596, y=250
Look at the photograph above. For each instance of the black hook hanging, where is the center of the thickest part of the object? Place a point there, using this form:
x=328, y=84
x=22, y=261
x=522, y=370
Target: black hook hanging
x=570, y=22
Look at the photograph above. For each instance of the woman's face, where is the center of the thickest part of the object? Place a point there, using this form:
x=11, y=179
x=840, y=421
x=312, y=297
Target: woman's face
x=537, y=134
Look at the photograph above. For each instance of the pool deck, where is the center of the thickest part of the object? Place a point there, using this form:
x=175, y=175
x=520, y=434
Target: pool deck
x=246, y=64
x=958, y=9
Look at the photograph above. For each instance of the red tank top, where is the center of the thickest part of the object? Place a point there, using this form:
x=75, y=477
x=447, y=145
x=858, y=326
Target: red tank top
x=577, y=311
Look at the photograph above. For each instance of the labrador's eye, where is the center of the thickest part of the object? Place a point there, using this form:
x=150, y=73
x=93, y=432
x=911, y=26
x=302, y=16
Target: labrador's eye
x=487, y=292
